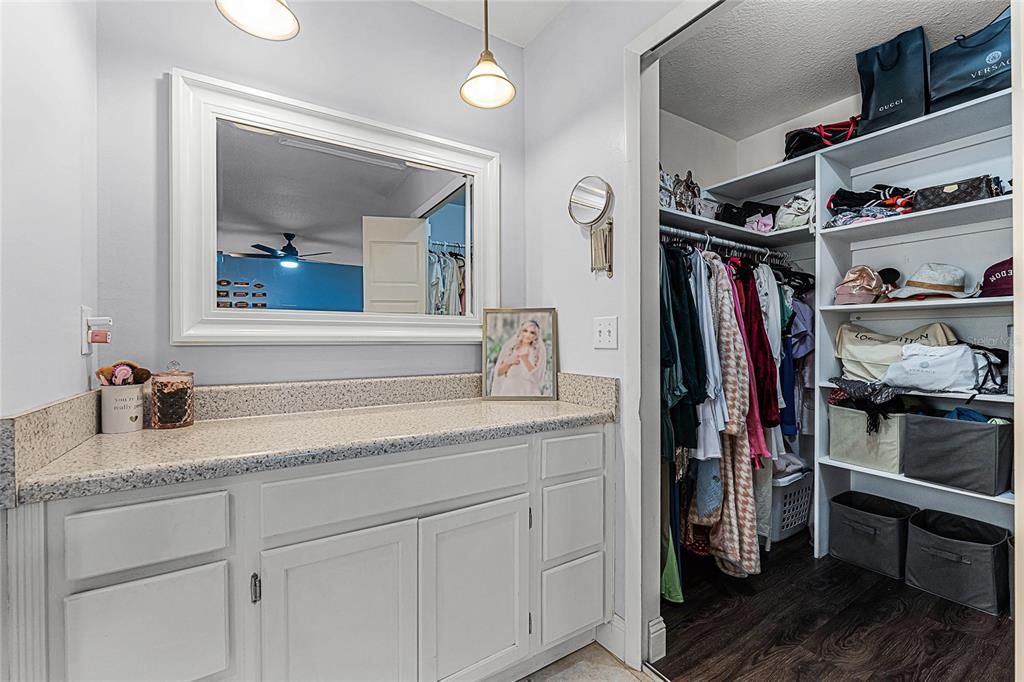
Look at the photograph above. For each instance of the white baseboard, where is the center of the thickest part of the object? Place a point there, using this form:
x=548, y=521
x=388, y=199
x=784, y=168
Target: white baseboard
x=656, y=640
x=612, y=636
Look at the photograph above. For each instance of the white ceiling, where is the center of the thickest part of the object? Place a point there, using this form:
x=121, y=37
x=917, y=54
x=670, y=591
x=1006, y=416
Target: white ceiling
x=517, y=21
x=758, y=63
x=266, y=188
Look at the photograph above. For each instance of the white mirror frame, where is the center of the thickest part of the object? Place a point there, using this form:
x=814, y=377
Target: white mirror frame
x=196, y=104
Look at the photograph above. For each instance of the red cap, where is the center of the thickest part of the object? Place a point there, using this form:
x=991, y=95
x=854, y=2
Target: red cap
x=998, y=279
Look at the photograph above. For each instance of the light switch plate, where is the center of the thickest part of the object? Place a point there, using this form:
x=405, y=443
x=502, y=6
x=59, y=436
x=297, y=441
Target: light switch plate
x=606, y=332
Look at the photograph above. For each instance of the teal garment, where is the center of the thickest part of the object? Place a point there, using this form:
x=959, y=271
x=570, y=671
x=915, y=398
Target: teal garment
x=690, y=348
x=787, y=310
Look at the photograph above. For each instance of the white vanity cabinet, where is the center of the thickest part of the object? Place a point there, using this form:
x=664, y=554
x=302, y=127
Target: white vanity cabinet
x=475, y=590
x=456, y=563
x=347, y=602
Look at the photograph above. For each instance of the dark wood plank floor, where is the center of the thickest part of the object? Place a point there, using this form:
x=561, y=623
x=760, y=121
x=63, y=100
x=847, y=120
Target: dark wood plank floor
x=807, y=619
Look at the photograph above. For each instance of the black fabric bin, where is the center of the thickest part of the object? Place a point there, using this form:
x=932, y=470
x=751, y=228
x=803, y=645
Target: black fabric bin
x=869, y=531
x=972, y=456
x=960, y=559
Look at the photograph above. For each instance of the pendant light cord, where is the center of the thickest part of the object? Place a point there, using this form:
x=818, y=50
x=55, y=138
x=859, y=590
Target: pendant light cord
x=486, y=28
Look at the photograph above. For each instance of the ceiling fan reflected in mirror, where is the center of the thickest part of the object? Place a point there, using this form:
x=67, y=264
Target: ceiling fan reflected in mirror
x=288, y=254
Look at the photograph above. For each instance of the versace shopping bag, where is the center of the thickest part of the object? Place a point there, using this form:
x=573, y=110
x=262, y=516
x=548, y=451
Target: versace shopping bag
x=893, y=81
x=972, y=66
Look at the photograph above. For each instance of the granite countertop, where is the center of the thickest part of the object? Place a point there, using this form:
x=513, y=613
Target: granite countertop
x=230, y=447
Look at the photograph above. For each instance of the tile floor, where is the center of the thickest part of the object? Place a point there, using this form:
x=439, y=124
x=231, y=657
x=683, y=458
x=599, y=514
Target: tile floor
x=592, y=662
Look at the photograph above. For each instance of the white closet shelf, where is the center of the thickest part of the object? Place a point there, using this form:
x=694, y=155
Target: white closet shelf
x=970, y=118
x=996, y=208
x=1005, y=498
x=980, y=397
x=770, y=180
x=695, y=223
x=929, y=304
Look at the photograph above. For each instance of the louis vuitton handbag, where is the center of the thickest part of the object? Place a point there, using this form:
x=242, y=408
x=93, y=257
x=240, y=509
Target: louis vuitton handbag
x=959, y=192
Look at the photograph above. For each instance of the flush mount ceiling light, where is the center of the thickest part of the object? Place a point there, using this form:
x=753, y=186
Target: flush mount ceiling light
x=268, y=19
x=487, y=86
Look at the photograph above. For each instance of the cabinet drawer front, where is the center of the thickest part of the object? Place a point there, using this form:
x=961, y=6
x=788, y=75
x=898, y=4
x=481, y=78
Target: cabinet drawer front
x=572, y=597
x=573, y=517
x=119, y=538
x=571, y=455
x=169, y=627
x=333, y=498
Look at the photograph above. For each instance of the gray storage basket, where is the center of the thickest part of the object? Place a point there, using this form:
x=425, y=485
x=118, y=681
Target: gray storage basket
x=849, y=440
x=960, y=559
x=869, y=531
x=972, y=456
x=791, y=505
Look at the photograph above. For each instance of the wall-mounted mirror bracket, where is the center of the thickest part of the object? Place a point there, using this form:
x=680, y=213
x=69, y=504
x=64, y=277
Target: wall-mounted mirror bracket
x=590, y=205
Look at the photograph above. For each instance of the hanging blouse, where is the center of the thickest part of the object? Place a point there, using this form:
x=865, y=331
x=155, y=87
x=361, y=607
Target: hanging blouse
x=713, y=412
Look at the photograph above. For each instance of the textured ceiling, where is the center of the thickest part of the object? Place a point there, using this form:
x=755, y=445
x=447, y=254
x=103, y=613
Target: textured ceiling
x=266, y=188
x=517, y=21
x=759, y=63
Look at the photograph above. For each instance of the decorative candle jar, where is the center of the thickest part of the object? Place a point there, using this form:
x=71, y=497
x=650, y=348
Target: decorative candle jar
x=172, y=399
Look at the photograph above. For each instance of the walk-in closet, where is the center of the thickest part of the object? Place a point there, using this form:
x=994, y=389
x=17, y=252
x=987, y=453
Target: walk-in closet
x=836, y=325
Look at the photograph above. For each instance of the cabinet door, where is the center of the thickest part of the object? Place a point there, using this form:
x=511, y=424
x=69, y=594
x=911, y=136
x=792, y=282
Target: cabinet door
x=342, y=608
x=474, y=590
x=169, y=627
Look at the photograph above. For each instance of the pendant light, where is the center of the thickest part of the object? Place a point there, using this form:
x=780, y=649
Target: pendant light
x=268, y=19
x=487, y=86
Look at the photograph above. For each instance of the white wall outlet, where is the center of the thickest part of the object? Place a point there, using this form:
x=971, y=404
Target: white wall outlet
x=606, y=332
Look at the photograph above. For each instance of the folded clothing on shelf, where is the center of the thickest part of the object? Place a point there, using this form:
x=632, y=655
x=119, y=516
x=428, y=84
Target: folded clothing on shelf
x=887, y=196
x=861, y=215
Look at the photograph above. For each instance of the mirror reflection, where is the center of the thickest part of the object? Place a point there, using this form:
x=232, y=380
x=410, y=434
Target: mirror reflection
x=304, y=224
x=589, y=201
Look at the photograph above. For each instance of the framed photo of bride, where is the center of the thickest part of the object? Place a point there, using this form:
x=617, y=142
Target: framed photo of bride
x=520, y=350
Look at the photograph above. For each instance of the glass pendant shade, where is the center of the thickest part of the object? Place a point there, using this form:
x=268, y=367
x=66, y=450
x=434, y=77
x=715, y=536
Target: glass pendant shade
x=268, y=19
x=487, y=86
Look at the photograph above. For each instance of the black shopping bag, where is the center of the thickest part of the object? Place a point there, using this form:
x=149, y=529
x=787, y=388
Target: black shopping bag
x=893, y=81
x=972, y=66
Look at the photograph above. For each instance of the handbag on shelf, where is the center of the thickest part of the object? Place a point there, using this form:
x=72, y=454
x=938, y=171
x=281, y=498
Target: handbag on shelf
x=798, y=211
x=972, y=66
x=731, y=214
x=957, y=369
x=752, y=208
x=959, y=192
x=806, y=140
x=706, y=208
x=893, y=81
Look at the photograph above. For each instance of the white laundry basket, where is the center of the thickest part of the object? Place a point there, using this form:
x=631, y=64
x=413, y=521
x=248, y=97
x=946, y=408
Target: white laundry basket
x=791, y=505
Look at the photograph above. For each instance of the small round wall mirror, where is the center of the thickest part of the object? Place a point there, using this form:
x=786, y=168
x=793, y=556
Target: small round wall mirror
x=590, y=201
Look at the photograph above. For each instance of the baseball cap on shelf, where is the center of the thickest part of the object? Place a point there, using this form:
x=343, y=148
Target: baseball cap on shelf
x=998, y=279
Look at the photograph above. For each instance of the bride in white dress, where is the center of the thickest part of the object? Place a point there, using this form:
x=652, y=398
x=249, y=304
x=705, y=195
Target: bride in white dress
x=522, y=363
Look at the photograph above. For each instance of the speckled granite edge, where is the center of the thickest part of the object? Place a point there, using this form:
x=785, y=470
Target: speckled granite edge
x=31, y=440
x=182, y=472
x=250, y=400
x=8, y=487
x=590, y=391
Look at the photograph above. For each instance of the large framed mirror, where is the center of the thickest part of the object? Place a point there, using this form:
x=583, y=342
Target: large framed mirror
x=296, y=224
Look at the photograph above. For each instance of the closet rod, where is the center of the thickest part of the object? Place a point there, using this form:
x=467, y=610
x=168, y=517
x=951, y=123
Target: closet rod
x=440, y=243
x=717, y=241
